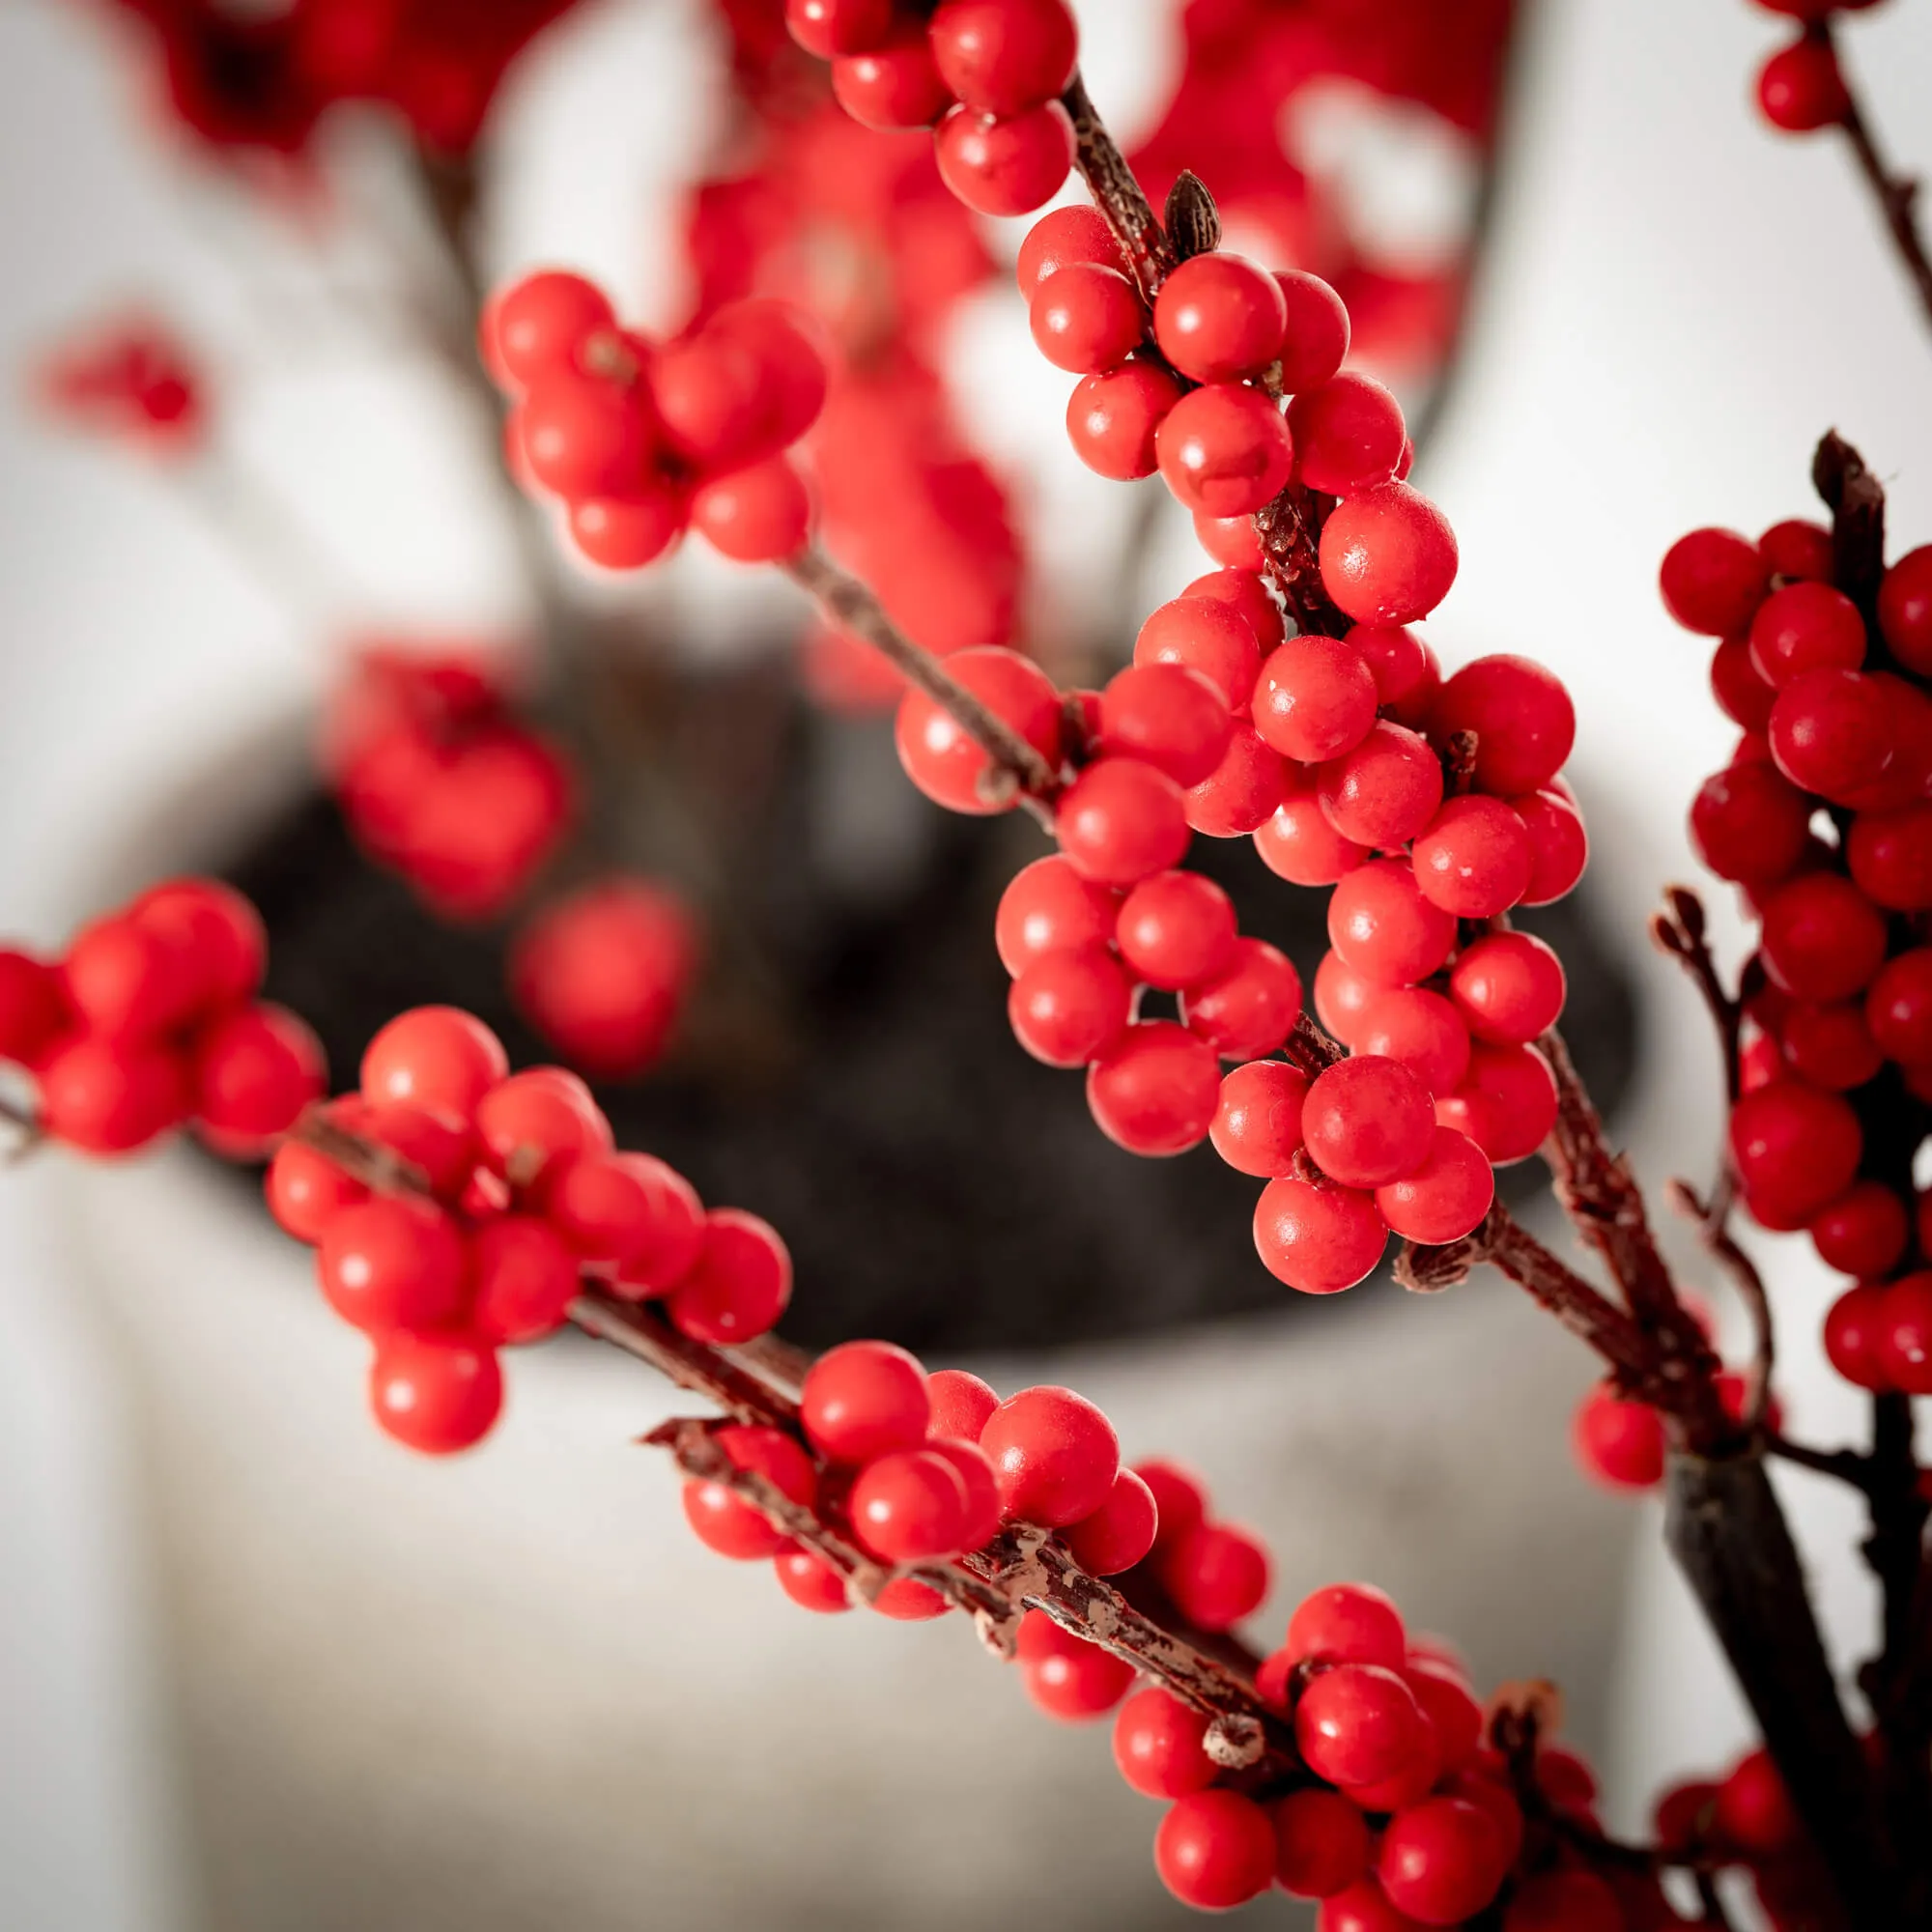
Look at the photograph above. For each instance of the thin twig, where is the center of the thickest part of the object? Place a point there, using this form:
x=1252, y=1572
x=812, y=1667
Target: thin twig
x=1713, y=1222
x=1847, y=1465
x=1117, y=194
x=1711, y=1905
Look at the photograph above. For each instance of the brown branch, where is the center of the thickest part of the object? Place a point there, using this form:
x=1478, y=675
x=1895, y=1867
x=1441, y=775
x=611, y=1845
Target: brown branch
x=1290, y=529
x=1856, y=499
x=1896, y=194
x=1023, y=774
x=1117, y=194
x=1682, y=930
x=1847, y=1465
x=1713, y=1222
x=1711, y=1905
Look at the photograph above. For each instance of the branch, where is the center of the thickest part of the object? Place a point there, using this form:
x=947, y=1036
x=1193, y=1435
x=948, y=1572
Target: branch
x=1856, y=499
x=1897, y=195
x=1290, y=529
x=1712, y=1219
x=1847, y=1465
x=1117, y=194
x=1681, y=929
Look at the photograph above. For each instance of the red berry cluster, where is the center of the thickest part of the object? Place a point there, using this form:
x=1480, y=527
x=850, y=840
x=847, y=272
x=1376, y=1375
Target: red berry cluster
x=149, y=1022
x=603, y=974
x=638, y=439
x=1745, y=1819
x=1837, y=733
x=522, y=1193
x=442, y=780
x=133, y=380
x=1201, y=732
x=1800, y=88
x=986, y=76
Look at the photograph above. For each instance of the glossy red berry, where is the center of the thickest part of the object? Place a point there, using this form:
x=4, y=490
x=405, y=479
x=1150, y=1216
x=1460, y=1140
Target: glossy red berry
x=1087, y=320
x=894, y=83
x=863, y=1400
x=1005, y=56
x=829, y=28
x=524, y=1277
x=629, y=1212
x=1473, y=856
x=433, y=1057
x=1796, y=1149
x=1713, y=582
x=1322, y=1844
x=1207, y=634
x=1358, y=1724
x=1154, y=1090
x=1118, y=1534
x=809, y=1581
x=1829, y=1045
x=1121, y=820
x=393, y=1262
x=738, y=1286
x=1889, y=854
x=908, y=1600
x=909, y=1506
x=1506, y=1103
x=1175, y=929
x=305, y=1191
x=1753, y=1811
x=1444, y=1196
x=110, y=1097
x=125, y=979
x=960, y=1403
x=1113, y=420
x=585, y=436
x=1368, y=1120
x=1247, y=592
x=1314, y=699
x=1847, y=736
x=760, y=515
x=1231, y=541
x=1159, y=1746
x=1898, y=1008
x=1225, y=450
x=1348, y=1623
x=1419, y=1029
x=1257, y=1125
x=1508, y=986
x=1219, y=317
x=254, y=1072
x=1054, y=1455
x=540, y=323
x=1407, y=674
x=1078, y=1682
x=945, y=760
x=1215, y=1574
x=1166, y=715
x=1387, y=555
x=1856, y=1328
x=1062, y=237
x=1749, y=823
x=1245, y=789
x=435, y=1393
x=1521, y=716
x=1048, y=907
x=1559, y=847
x=215, y=927
x=1863, y=1231
x=1315, y=337
x=33, y=1007
x=1821, y=939
x=1619, y=1442
x=533, y=1125
x=1383, y=792
x=1442, y=1861
x=1318, y=1238
x=1005, y=165
x=1215, y=1850
x=1795, y=548
x=1248, y=1008
x=1800, y=88
x=1805, y=627
x=733, y=1525
x=1742, y=694
x=1067, y=1008
x=628, y=532
x=1383, y=929
x=1298, y=845
x=1905, y=609
x=1347, y=434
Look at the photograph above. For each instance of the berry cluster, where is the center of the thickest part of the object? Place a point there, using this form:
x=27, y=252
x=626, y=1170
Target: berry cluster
x=1745, y=1820
x=986, y=76
x=521, y=1193
x=1801, y=88
x=638, y=439
x=1824, y=819
x=133, y=380
x=149, y=1022
x=442, y=780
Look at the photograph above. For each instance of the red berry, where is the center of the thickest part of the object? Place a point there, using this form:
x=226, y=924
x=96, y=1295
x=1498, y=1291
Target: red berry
x=1742, y=694
x=32, y=1009
x=1473, y=858
x=1067, y=1008
x=894, y=83
x=1522, y=718
x=628, y=532
x=433, y=1057
x=1805, y=627
x=1118, y=1534
x=1314, y=699
x=1218, y=317
x=908, y=1600
x=1048, y=907
x=1078, y=1683
x=438, y=1145
x=1904, y=1334
x=980, y=1522
x=1905, y=609
x=1407, y=674
x=126, y=980
x=539, y=324
x=1225, y=450
x=1383, y=792
x=1442, y=1861
x=1347, y=434
x=863, y=1400
x=738, y=1286
x=1176, y=929
x=254, y=1072
x=1889, y=854
x=1215, y=1574
x=435, y=1393
x=1363, y=1908
x=1383, y=929
x=1358, y=1723
x=1005, y=166
x=1316, y=336
x=1856, y=1328
x=1368, y=1120
x=1258, y=1124
x=631, y=1212
x=1181, y=1500
x=216, y=926
x=1506, y=1103
x=1801, y=90
x=1445, y=1196
x=1298, y=845
x=1348, y=1623
x=393, y=1262
x=109, y=1096
x=1863, y=1231
x=1245, y=789
x=829, y=28
x=1753, y=1809
x=759, y=514
x=1317, y=1240
x=1898, y=1008
x=1087, y=320
x=1847, y=736
x=1388, y=556
x=1419, y=1029
x=1231, y=541
x=524, y=1279
x=732, y=1524
x=1215, y=1850
x=1005, y=56
x=1168, y=716
x=1823, y=938
x=1154, y=1090
x=1750, y=824
x=1829, y=1046
x=1206, y=635
x=1159, y=1746
x=1248, y=1008
x=1443, y=1690
x=1062, y=237
x=1120, y=820
x=305, y=1190
x=1322, y=1844
x=1795, y=548
x=809, y=1581
x=1054, y=1453
x=1618, y=1441
x=1796, y=1149
x=585, y=436
x=1559, y=847
x=909, y=1506
x=1508, y=986
x=946, y=761
x=960, y=1403
x=536, y=1122
x=1113, y=420
x=1246, y=591
x=1713, y=582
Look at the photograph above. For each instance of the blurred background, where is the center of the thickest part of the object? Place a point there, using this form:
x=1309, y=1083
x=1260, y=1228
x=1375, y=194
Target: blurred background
x=259, y=1669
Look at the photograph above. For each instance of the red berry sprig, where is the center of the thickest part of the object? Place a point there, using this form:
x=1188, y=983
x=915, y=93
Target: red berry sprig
x=133, y=379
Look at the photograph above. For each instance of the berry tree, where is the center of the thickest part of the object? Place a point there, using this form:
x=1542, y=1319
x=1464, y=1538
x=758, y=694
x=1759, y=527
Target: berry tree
x=459, y=1208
